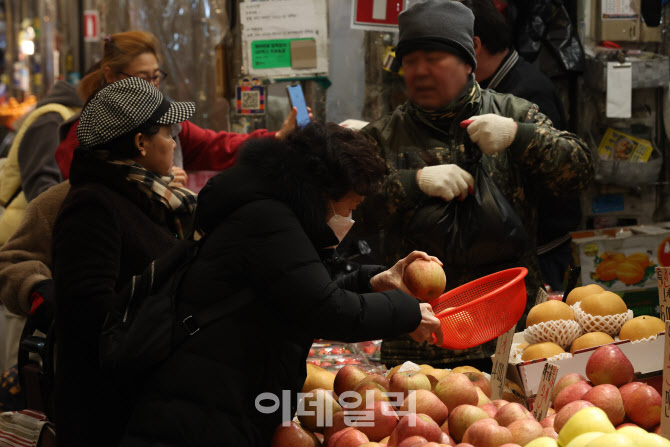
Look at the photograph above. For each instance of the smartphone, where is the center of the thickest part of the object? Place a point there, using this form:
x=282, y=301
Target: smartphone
x=297, y=100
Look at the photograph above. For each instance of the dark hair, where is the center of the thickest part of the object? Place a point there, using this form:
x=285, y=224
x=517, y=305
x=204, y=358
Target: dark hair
x=490, y=25
x=123, y=147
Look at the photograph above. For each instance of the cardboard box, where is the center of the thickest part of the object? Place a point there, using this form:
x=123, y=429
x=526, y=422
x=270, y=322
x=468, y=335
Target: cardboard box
x=646, y=357
x=597, y=250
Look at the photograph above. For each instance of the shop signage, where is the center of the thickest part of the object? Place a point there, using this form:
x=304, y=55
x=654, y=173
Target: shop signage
x=500, y=362
x=376, y=14
x=541, y=404
x=91, y=25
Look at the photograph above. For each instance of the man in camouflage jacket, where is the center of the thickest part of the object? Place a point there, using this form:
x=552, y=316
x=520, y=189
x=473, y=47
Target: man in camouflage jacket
x=424, y=146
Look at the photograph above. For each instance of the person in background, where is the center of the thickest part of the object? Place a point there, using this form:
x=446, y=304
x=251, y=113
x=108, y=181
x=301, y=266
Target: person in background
x=119, y=215
x=500, y=68
x=137, y=54
x=424, y=145
x=269, y=223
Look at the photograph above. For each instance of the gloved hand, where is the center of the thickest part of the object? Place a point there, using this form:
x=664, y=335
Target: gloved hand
x=41, y=307
x=492, y=133
x=445, y=181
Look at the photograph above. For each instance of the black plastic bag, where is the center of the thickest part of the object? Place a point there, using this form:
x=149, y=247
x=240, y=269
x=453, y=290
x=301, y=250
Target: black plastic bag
x=481, y=230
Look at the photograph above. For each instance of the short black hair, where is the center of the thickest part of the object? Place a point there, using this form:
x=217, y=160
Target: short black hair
x=490, y=25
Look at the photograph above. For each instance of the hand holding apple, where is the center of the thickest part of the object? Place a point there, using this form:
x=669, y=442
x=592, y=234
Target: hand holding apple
x=393, y=278
x=424, y=278
x=428, y=327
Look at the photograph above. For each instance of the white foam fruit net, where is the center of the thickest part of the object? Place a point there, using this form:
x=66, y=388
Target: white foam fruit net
x=515, y=355
x=609, y=324
x=561, y=332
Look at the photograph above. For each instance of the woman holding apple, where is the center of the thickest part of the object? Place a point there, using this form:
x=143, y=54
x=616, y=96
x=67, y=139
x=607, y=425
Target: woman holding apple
x=271, y=223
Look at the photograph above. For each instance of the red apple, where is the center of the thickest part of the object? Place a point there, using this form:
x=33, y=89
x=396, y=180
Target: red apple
x=463, y=416
x=464, y=444
x=608, y=398
x=512, y=412
x=525, y=430
x=380, y=379
x=626, y=424
x=548, y=421
x=627, y=389
x=643, y=407
x=317, y=408
x=564, y=381
x=567, y=411
x=347, y=378
x=340, y=422
x=423, y=401
x=549, y=432
x=369, y=391
x=487, y=433
x=413, y=441
x=425, y=279
x=415, y=425
x=499, y=403
x=404, y=382
x=608, y=364
x=380, y=423
x=490, y=409
x=480, y=380
x=336, y=435
x=351, y=438
x=293, y=435
x=456, y=389
x=657, y=430
x=571, y=393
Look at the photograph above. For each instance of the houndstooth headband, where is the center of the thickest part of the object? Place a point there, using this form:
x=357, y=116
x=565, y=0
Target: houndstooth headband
x=125, y=105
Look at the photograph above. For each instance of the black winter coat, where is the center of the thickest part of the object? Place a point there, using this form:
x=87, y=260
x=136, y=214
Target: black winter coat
x=206, y=393
x=107, y=231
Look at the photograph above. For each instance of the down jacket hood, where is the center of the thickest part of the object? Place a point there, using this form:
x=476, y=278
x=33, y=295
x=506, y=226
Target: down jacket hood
x=267, y=169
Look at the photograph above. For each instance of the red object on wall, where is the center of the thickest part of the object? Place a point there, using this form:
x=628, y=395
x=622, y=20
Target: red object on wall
x=377, y=12
x=91, y=25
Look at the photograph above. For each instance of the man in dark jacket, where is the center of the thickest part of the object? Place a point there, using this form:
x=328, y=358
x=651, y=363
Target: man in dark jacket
x=500, y=68
x=425, y=145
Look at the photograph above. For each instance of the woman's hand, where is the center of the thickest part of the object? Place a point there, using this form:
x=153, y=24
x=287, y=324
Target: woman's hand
x=180, y=177
x=290, y=123
x=429, y=325
x=391, y=279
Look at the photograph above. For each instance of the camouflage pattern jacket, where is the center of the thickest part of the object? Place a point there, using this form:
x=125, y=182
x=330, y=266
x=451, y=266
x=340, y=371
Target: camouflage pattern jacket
x=541, y=159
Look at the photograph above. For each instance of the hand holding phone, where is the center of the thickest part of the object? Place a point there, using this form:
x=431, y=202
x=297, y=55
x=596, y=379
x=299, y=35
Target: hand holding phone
x=297, y=100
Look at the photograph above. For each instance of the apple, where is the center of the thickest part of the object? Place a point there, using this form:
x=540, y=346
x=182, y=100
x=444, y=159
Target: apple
x=317, y=378
x=456, y=389
x=423, y=401
x=339, y=422
x=490, y=409
x=415, y=424
x=643, y=406
x=462, y=417
x=445, y=426
x=585, y=420
x=627, y=389
x=293, y=435
x=512, y=412
x=549, y=432
x=351, y=438
x=483, y=399
x=372, y=444
x=380, y=379
x=464, y=444
x=404, y=382
x=525, y=430
x=612, y=440
x=608, y=398
x=487, y=433
x=480, y=380
x=565, y=413
x=548, y=421
x=383, y=421
x=368, y=391
x=425, y=279
x=413, y=441
x=544, y=441
x=510, y=445
x=571, y=393
x=499, y=403
x=564, y=381
x=317, y=408
x=347, y=378
x=336, y=435
x=608, y=364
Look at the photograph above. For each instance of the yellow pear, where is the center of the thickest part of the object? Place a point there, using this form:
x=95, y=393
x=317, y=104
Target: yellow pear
x=585, y=420
x=318, y=377
x=612, y=440
x=549, y=311
x=641, y=437
x=584, y=438
x=578, y=293
x=543, y=441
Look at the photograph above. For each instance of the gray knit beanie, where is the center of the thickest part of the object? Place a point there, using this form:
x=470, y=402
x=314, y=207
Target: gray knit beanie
x=444, y=25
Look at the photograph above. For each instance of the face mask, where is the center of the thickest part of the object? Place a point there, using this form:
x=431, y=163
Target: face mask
x=340, y=224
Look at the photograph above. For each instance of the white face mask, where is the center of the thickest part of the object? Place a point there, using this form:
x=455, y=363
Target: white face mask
x=340, y=224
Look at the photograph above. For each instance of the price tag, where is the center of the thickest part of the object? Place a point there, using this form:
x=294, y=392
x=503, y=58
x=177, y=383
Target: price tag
x=663, y=278
x=543, y=397
x=665, y=415
x=541, y=296
x=500, y=362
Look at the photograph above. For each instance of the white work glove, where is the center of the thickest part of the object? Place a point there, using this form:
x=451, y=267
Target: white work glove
x=492, y=133
x=445, y=181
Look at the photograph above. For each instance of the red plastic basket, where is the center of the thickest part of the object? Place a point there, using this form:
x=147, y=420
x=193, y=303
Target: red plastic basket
x=481, y=310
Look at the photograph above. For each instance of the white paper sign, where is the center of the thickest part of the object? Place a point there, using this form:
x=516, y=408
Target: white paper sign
x=665, y=411
x=500, y=363
x=541, y=405
x=619, y=90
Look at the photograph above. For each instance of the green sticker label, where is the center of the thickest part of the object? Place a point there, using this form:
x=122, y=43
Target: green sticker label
x=271, y=53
